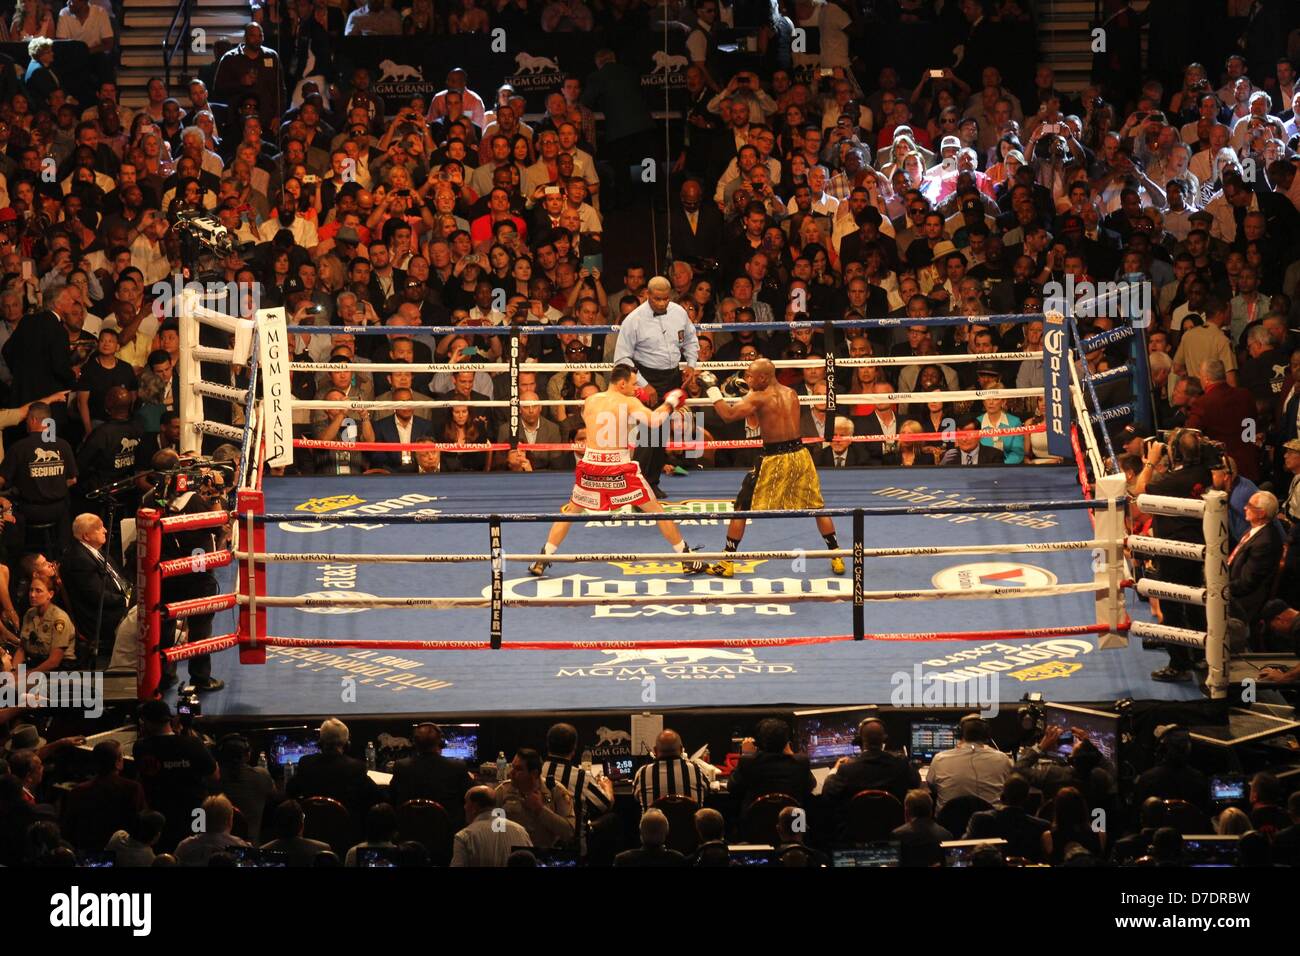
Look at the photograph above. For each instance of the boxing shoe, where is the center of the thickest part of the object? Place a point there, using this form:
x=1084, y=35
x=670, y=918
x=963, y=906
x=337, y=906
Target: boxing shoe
x=538, y=568
x=723, y=569
x=837, y=565
x=693, y=567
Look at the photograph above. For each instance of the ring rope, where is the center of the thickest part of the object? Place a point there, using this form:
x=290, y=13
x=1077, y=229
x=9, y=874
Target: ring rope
x=912, y=552
x=778, y=597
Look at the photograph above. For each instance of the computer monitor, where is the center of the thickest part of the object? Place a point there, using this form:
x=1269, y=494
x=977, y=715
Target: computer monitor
x=751, y=854
x=288, y=745
x=97, y=859
x=251, y=857
x=880, y=853
x=827, y=735
x=460, y=742
x=1102, y=728
x=620, y=769
x=1210, y=850
x=962, y=852
x=377, y=857
x=930, y=737
x=553, y=858
x=1229, y=787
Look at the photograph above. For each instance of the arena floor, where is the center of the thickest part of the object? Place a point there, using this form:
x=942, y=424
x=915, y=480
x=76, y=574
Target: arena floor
x=315, y=682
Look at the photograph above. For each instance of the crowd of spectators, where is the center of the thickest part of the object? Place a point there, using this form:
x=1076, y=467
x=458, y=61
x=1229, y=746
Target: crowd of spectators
x=1047, y=809
x=836, y=185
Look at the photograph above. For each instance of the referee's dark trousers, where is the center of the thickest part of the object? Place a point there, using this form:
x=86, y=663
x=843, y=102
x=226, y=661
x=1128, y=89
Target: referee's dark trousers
x=651, y=455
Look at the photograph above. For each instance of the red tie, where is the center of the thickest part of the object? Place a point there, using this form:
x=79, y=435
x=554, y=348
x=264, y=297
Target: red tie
x=1241, y=544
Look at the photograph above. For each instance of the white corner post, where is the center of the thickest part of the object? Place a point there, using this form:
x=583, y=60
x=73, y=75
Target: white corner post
x=189, y=403
x=1215, y=527
x=1108, y=565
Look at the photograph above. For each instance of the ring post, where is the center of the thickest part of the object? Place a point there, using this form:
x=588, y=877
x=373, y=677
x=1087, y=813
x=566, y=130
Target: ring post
x=149, y=587
x=1109, y=573
x=252, y=580
x=1215, y=527
x=514, y=385
x=494, y=545
x=828, y=346
x=859, y=609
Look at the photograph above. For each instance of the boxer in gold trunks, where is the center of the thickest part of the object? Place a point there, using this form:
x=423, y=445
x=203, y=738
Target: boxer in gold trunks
x=784, y=477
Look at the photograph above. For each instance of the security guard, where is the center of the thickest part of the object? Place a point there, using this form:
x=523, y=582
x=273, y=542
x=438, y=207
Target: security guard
x=48, y=639
x=41, y=469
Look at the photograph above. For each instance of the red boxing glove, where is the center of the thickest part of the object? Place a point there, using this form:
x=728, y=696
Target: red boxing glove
x=645, y=394
x=675, y=398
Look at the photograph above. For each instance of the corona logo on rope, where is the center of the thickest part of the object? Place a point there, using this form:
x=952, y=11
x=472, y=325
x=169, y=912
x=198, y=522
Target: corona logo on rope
x=320, y=506
x=326, y=596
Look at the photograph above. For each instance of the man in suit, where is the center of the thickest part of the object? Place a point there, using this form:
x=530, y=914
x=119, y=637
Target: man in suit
x=771, y=767
x=1253, y=564
x=653, y=850
x=97, y=589
x=534, y=430
x=332, y=773
x=842, y=453
x=402, y=426
x=696, y=226
x=37, y=352
x=920, y=836
x=968, y=450
x=1221, y=414
x=428, y=775
x=874, y=768
x=1010, y=821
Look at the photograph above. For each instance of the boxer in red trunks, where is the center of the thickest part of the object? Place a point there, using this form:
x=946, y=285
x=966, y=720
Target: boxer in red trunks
x=607, y=477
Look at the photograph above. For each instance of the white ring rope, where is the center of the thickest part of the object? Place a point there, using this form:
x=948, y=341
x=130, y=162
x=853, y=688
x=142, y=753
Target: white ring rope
x=673, y=556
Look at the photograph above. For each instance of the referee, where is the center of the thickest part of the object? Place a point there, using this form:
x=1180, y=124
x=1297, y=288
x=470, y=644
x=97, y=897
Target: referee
x=670, y=774
x=658, y=338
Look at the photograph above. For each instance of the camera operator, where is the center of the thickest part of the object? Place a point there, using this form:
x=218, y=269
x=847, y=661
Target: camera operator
x=201, y=496
x=1178, y=469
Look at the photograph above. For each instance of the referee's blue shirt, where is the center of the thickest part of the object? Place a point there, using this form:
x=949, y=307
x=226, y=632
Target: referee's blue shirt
x=657, y=341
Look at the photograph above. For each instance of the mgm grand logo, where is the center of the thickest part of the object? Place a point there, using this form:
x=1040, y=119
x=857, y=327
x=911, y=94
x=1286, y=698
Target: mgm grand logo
x=678, y=663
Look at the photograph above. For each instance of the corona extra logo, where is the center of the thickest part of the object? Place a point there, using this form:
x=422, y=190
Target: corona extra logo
x=674, y=567
x=1049, y=671
x=320, y=506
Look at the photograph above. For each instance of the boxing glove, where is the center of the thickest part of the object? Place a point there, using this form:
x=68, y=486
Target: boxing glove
x=707, y=381
x=714, y=394
x=645, y=395
x=675, y=398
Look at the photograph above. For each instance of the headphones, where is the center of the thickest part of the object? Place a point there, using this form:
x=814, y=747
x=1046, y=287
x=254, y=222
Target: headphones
x=858, y=738
x=1177, y=455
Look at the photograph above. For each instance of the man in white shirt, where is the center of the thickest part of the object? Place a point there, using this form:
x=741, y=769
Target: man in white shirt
x=147, y=252
x=973, y=768
x=489, y=837
x=80, y=20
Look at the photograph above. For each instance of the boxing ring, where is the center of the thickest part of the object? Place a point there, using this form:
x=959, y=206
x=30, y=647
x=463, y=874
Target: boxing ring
x=1004, y=574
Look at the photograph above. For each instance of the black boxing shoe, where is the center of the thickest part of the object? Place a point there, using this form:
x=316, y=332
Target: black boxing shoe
x=538, y=568
x=693, y=567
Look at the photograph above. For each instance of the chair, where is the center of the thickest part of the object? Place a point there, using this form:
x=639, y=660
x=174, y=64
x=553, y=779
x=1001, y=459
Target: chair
x=327, y=820
x=680, y=811
x=956, y=813
x=426, y=822
x=873, y=815
x=1185, y=818
x=758, y=823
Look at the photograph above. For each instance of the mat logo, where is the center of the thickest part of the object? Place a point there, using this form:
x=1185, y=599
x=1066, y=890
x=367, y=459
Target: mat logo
x=674, y=567
x=320, y=506
x=679, y=663
x=1050, y=671
x=990, y=575
x=353, y=506
x=332, y=596
x=1043, y=660
x=680, y=655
